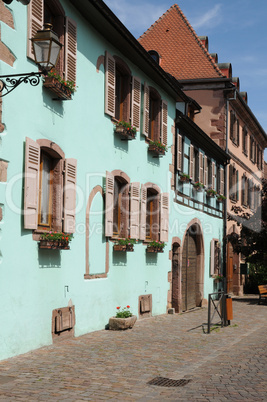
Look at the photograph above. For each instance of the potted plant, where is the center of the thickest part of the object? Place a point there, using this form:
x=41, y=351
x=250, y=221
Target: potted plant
x=157, y=148
x=210, y=192
x=124, y=319
x=62, y=88
x=155, y=246
x=125, y=129
x=184, y=177
x=55, y=240
x=218, y=278
x=220, y=198
x=124, y=245
x=198, y=186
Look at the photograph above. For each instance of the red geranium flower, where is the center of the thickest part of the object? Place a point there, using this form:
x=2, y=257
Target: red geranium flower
x=128, y=306
x=118, y=308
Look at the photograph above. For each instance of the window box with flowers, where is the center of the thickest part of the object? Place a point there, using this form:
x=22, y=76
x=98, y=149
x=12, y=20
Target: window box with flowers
x=157, y=148
x=125, y=130
x=124, y=319
x=198, y=186
x=220, y=198
x=210, y=192
x=155, y=247
x=55, y=241
x=55, y=83
x=218, y=278
x=124, y=245
x=184, y=177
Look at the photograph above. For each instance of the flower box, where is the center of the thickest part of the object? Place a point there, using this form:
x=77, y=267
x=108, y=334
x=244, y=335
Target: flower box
x=156, y=150
x=221, y=198
x=120, y=247
x=54, y=245
x=151, y=249
x=184, y=178
x=210, y=193
x=125, y=132
x=118, y=324
x=198, y=186
x=62, y=91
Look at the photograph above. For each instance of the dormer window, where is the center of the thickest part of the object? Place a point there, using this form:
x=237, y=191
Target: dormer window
x=155, y=56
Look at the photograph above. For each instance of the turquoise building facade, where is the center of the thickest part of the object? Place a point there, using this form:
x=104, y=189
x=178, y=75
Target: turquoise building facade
x=66, y=166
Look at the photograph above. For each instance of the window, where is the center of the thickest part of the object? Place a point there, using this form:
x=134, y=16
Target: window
x=233, y=183
x=154, y=219
x=244, y=191
x=42, y=11
x=46, y=205
x=122, y=206
x=155, y=56
x=234, y=128
x=245, y=141
x=122, y=91
x=155, y=117
x=252, y=149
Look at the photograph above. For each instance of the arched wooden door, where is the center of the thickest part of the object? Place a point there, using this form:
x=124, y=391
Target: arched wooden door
x=189, y=271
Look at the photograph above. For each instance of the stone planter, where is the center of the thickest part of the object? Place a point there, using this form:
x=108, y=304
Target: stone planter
x=118, y=324
x=126, y=134
x=154, y=250
x=62, y=92
x=54, y=245
x=156, y=150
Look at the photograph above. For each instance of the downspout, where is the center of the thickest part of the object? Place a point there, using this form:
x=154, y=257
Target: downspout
x=226, y=190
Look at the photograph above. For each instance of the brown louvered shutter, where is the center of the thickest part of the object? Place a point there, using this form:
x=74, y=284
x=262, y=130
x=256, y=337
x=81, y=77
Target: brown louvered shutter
x=213, y=175
x=136, y=102
x=230, y=181
x=31, y=184
x=221, y=181
x=134, y=210
x=205, y=170
x=179, y=152
x=237, y=132
x=143, y=213
x=70, y=50
x=164, y=216
x=164, y=122
x=109, y=204
x=110, y=83
x=212, y=257
x=232, y=122
x=201, y=170
x=192, y=164
x=145, y=130
x=69, y=195
x=35, y=23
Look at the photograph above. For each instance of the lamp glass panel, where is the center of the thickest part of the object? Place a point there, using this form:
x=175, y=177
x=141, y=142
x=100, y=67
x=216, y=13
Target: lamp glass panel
x=41, y=51
x=55, y=49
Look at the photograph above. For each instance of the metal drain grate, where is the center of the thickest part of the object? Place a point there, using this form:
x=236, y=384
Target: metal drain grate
x=167, y=382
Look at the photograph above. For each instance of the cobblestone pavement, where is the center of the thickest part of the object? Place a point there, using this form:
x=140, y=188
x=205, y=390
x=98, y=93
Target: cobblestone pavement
x=228, y=364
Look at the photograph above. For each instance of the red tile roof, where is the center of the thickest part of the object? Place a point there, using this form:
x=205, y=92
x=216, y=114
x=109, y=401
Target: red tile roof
x=182, y=52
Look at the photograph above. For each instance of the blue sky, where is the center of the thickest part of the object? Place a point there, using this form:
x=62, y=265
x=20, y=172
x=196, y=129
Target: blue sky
x=237, y=32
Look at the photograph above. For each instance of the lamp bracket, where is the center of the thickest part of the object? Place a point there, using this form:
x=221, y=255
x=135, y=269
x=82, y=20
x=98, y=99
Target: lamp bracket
x=9, y=82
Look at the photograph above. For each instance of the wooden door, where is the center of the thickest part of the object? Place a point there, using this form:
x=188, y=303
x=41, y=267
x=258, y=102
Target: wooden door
x=175, y=276
x=189, y=266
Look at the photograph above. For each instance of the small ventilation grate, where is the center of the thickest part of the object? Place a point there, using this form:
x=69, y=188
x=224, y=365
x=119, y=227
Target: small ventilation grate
x=167, y=382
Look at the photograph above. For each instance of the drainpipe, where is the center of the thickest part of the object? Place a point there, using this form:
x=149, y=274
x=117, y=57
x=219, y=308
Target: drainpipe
x=226, y=188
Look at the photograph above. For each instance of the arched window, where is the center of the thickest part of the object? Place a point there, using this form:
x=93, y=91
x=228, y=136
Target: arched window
x=155, y=56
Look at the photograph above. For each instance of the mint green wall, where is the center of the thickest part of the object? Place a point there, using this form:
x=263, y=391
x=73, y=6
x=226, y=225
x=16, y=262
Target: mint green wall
x=33, y=282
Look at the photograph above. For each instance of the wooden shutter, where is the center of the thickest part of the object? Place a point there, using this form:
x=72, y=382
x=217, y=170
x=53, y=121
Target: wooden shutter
x=192, y=164
x=237, y=185
x=31, y=184
x=164, y=216
x=70, y=50
x=70, y=195
x=213, y=175
x=164, y=122
x=179, y=152
x=201, y=171
x=134, y=210
x=110, y=83
x=143, y=213
x=109, y=204
x=146, y=110
x=205, y=170
x=212, y=257
x=136, y=102
x=221, y=181
x=237, y=132
x=232, y=122
x=35, y=23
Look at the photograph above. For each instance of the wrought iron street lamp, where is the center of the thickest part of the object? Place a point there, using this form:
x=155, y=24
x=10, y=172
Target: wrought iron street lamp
x=46, y=48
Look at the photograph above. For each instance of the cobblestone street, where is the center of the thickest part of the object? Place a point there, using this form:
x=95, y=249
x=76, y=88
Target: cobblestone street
x=228, y=364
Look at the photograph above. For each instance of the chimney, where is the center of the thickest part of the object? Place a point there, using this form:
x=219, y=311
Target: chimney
x=226, y=69
x=214, y=57
x=235, y=81
x=205, y=41
x=244, y=96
